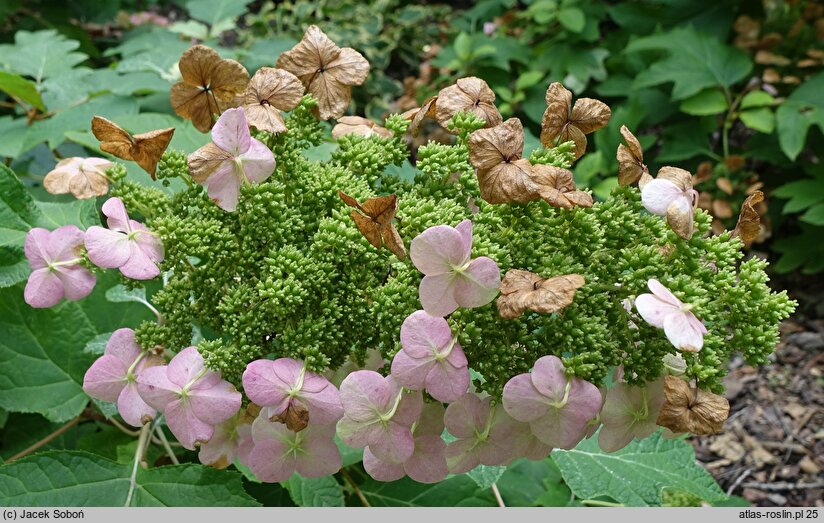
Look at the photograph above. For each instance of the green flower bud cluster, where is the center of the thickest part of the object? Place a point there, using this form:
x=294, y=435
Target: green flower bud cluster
x=561, y=156
x=290, y=275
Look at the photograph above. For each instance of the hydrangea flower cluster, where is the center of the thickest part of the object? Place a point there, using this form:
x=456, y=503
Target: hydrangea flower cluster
x=296, y=267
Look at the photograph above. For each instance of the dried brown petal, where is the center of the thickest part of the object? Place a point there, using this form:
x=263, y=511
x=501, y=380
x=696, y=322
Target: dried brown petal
x=209, y=86
x=522, y=290
x=145, y=149
x=563, y=122
x=691, y=410
x=721, y=209
x=705, y=201
x=205, y=161
x=680, y=177
x=326, y=71
x=557, y=188
x=374, y=221
x=749, y=222
x=725, y=185
x=417, y=116
x=359, y=126
x=735, y=162
x=630, y=159
x=702, y=173
x=469, y=94
x=296, y=417
x=270, y=91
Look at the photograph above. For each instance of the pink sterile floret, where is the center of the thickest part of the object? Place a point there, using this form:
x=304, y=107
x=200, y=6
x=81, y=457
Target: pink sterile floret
x=663, y=310
x=629, y=412
x=193, y=398
x=427, y=464
x=284, y=382
x=665, y=198
x=379, y=413
x=247, y=159
x=451, y=278
x=56, y=267
x=232, y=440
x=486, y=434
x=431, y=358
x=278, y=452
x=126, y=245
x=113, y=377
x=557, y=409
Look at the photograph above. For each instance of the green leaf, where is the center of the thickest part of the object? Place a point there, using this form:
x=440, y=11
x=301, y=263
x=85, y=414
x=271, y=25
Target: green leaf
x=485, y=476
x=13, y=131
x=528, y=79
x=605, y=187
x=709, y=101
x=801, y=194
x=349, y=455
x=18, y=87
x=757, y=99
x=214, y=11
x=814, y=215
x=528, y=483
x=265, y=52
x=18, y=214
x=76, y=479
x=695, y=61
x=760, y=119
x=463, y=47
x=804, y=251
x=191, y=28
x=120, y=294
x=457, y=491
x=82, y=213
x=572, y=18
x=802, y=109
x=636, y=475
x=314, y=492
x=40, y=54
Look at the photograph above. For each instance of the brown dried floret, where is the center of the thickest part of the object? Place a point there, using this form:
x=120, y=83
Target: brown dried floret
x=210, y=85
x=374, y=221
x=563, y=122
x=269, y=92
x=631, y=167
x=468, y=94
x=417, y=115
x=557, y=188
x=327, y=71
x=688, y=409
x=522, y=290
x=359, y=126
x=145, y=148
x=749, y=221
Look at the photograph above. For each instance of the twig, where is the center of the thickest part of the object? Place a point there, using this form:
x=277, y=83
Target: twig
x=778, y=445
x=355, y=488
x=138, y=454
x=166, y=445
x=738, y=481
x=498, y=497
x=45, y=440
x=783, y=485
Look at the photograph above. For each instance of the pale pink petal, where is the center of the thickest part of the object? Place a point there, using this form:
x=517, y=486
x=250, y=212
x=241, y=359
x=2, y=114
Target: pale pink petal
x=271, y=462
x=423, y=334
x=381, y=470
x=460, y=456
x=139, y=266
x=411, y=372
x=185, y=426
x=456, y=356
x=612, y=439
x=428, y=462
x=535, y=449
x=287, y=371
x=478, y=285
x=98, y=164
x=151, y=245
x=117, y=217
x=658, y=194
x=77, y=281
x=185, y=367
x=65, y=243
x=220, y=446
x=654, y=309
x=132, y=407
x=522, y=400
x=465, y=230
x=37, y=248
x=410, y=407
x=231, y=132
x=264, y=387
x=324, y=406
x=663, y=293
x=244, y=443
x=216, y=404
x=224, y=187
x=437, y=294
x=431, y=420
x=439, y=250
x=320, y=456
x=357, y=434
x=156, y=389
x=682, y=333
x=365, y=392
x=105, y=379
x=122, y=345
x=393, y=443
x=465, y=415
x=44, y=289
x=108, y=249
x=258, y=162
x=696, y=324
x=549, y=377
x=447, y=383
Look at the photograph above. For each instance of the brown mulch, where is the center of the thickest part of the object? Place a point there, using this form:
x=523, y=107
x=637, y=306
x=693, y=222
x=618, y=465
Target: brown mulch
x=772, y=449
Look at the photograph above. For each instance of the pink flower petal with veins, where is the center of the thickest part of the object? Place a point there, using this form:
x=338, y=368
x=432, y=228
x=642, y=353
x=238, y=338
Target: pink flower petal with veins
x=664, y=310
x=231, y=132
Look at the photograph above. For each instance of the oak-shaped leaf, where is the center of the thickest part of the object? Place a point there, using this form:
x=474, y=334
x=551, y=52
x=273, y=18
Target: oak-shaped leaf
x=689, y=409
x=374, y=221
x=557, y=188
x=145, y=148
x=522, y=290
x=468, y=94
x=210, y=85
x=503, y=176
x=359, y=126
x=269, y=92
x=563, y=122
x=327, y=71
x=749, y=221
x=631, y=167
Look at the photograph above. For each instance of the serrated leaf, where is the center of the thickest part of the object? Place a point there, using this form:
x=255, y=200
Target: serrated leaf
x=527, y=483
x=760, y=119
x=82, y=213
x=40, y=54
x=18, y=214
x=801, y=194
x=18, y=87
x=485, y=476
x=695, y=61
x=457, y=491
x=314, y=492
x=636, y=474
x=708, y=101
x=802, y=109
x=77, y=479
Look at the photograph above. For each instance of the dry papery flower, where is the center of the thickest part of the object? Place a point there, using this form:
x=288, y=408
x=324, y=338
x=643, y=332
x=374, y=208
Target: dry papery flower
x=631, y=167
x=269, y=92
x=468, y=94
x=522, y=290
x=689, y=409
x=749, y=221
x=374, y=221
x=145, y=148
x=563, y=122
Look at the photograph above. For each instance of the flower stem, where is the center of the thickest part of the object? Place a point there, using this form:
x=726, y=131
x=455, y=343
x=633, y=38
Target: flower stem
x=45, y=440
x=169, y=451
x=497, y=494
x=138, y=454
x=355, y=488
